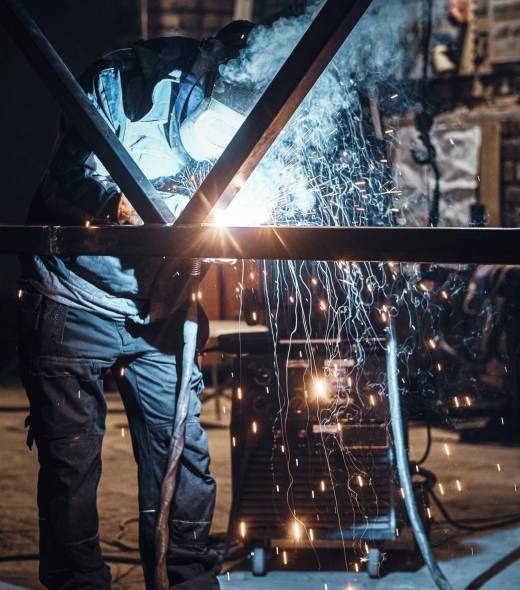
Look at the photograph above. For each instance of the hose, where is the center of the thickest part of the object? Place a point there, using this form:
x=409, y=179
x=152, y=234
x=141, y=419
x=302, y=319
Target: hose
x=403, y=466
x=428, y=448
x=179, y=429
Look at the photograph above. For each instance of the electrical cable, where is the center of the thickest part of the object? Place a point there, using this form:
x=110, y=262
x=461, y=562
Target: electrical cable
x=36, y=557
x=428, y=448
x=458, y=524
x=118, y=541
x=179, y=429
x=488, y=522
x=403, y=465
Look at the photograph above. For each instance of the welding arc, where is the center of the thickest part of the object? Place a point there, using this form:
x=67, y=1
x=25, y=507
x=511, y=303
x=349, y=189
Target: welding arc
x=178, y=438
x=403, y=464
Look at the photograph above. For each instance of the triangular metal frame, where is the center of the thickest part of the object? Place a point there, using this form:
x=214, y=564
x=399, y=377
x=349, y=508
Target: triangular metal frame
x=188, y=236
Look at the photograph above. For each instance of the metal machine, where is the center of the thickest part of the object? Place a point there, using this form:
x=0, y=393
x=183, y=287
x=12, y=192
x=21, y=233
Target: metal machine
x=311, y=459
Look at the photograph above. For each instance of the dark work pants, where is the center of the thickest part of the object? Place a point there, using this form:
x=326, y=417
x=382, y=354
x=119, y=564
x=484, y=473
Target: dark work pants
x=63, y=354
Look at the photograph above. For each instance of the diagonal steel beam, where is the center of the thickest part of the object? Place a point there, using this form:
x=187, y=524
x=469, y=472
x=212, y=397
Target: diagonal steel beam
x=94, y=130
x=446, y=245
x=280, y=100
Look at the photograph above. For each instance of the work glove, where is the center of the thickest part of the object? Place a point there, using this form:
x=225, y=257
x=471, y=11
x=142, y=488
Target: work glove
x=127, y=215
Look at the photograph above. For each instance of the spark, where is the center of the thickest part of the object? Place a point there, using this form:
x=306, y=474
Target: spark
x=297, y=530
x=320, y=388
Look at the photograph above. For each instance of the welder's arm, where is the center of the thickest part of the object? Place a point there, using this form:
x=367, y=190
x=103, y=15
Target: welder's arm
x=77, y=186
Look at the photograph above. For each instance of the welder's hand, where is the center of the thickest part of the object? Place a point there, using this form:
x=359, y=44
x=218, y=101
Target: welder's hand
x=460, y=11
x=126, y=214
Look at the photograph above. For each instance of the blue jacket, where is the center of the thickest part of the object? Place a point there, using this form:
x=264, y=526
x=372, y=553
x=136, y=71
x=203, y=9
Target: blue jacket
x=143, y=93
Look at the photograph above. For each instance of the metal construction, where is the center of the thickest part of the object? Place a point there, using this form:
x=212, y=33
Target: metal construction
x=394, y=244
x=280, y=100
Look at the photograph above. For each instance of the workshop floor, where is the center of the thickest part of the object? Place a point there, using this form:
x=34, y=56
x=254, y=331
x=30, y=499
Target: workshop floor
x=488, y=476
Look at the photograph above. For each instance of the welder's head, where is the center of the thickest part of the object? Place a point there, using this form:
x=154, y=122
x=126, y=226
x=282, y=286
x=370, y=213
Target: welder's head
x=234, y=36
x=207, y=130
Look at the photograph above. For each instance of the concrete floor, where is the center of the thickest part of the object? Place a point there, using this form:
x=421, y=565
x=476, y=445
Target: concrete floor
x=489, y=482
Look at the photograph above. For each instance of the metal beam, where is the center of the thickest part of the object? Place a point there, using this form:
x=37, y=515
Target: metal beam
x=397, y=244
x=275, y=107
x=94, y=130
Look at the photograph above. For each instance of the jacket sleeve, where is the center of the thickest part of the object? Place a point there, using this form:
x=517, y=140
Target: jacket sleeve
x=77, y=186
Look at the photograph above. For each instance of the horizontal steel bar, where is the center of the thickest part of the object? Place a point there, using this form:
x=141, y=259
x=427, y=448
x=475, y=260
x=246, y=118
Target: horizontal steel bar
x=275, y=107
x=399, y=244
x=90, y=125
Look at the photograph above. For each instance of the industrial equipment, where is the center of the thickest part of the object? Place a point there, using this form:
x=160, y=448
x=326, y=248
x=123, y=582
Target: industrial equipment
x=312, y=459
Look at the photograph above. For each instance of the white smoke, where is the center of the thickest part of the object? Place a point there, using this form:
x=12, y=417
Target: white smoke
x=286, y=176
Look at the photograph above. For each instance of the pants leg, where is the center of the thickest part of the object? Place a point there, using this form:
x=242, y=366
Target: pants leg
x=148, y=389
x=67, y=421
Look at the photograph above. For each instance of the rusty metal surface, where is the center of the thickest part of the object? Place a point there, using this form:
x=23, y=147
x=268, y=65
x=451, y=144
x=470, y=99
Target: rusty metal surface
x=447, y=245
x=275, y=107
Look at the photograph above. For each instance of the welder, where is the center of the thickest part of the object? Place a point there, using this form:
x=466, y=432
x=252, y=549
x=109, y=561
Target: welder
x=82, y=316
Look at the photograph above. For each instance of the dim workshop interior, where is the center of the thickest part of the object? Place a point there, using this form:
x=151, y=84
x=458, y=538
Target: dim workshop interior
x=260, y=283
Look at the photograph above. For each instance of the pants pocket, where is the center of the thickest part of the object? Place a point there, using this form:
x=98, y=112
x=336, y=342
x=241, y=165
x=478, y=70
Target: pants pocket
x=29, y=307
x=65, y=398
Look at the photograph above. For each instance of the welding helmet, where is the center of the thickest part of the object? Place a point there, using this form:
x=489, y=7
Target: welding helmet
x=206, y=131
